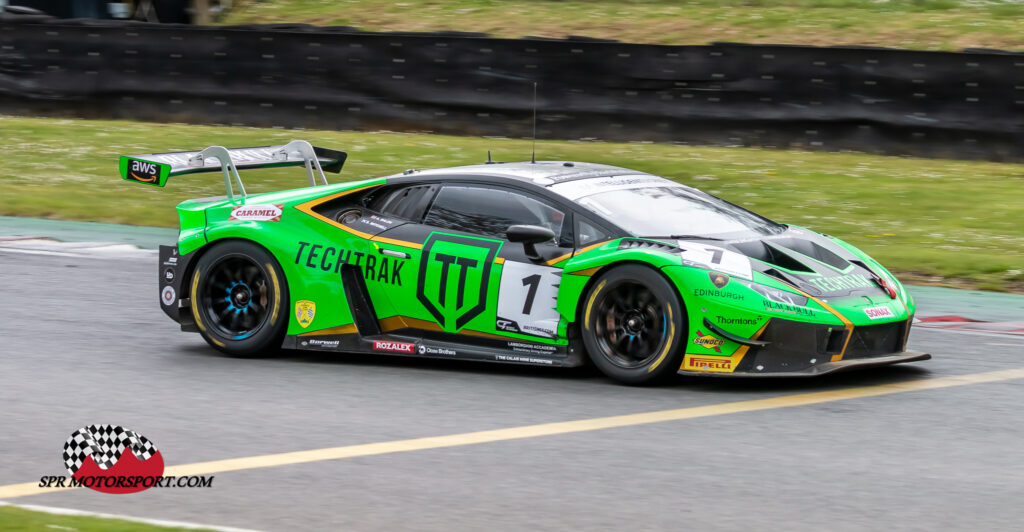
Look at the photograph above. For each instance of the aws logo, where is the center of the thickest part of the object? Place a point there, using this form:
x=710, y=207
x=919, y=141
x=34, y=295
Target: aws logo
x=143, y=172
x=453, y=277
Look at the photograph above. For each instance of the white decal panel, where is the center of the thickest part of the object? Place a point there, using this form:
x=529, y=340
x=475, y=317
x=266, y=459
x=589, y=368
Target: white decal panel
x=716, y=258
x=526, y=299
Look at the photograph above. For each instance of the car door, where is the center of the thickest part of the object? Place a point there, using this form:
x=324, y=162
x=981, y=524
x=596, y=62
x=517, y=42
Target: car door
x=470, y=278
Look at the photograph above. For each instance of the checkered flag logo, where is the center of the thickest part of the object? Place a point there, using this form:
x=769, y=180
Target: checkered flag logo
x=105, y=443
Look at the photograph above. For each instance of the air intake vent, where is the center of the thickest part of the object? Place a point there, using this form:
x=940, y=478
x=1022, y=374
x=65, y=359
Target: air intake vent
x=814, y=251
x=635, y=243
x=771, y=255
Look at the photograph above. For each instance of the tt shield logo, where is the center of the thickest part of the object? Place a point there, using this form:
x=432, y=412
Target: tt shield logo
x=453, y=277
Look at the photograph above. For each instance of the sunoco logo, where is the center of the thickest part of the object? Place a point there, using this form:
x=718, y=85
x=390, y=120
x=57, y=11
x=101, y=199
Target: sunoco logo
x=708, y=341
x=113, y=459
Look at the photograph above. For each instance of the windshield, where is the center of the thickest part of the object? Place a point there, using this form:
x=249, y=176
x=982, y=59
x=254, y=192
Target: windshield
x=654, y=206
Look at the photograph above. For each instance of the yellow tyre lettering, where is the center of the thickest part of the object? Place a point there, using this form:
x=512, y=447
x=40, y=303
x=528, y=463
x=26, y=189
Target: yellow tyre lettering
x=668, y=341
x=277, y=293
x=194, y=293
x=590, y=304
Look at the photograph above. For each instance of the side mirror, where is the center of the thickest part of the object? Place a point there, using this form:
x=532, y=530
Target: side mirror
x=530, y=236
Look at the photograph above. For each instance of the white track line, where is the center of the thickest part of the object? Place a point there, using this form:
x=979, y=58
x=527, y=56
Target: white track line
x=78, y=250
x=155, y=522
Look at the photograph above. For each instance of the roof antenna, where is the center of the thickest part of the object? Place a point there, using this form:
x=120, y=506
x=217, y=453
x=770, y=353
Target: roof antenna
x=489, y=161
x=533, y=154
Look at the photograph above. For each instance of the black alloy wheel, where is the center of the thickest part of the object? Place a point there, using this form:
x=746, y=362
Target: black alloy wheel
x=633, y=325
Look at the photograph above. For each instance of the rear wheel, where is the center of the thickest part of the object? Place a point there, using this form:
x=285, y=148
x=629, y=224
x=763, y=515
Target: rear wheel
x=239, y=299
x=633, y=325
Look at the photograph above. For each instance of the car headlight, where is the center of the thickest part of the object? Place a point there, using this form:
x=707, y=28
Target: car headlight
x=779, y=296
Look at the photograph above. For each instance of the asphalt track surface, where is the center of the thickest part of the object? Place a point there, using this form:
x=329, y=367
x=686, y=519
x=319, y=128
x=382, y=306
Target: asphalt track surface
x=84, y=342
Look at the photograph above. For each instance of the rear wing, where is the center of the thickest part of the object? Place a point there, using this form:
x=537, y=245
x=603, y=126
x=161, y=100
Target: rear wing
x=155, y=168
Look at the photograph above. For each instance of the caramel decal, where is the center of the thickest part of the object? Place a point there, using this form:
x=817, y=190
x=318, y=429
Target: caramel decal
x=257, y=213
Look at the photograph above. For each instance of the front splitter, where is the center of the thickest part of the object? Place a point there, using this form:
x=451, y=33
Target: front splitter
x=825, y=367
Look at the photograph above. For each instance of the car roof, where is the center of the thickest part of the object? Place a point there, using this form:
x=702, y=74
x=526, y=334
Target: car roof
x=540, y=173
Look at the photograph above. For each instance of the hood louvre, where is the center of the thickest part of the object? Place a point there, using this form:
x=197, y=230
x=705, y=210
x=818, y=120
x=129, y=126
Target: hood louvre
x=772, y=255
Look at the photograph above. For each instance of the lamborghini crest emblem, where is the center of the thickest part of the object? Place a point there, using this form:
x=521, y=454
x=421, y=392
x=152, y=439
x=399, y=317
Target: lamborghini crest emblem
x=718, y=279
x=304, y=312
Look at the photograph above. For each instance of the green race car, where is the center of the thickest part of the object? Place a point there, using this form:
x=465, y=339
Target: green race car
x=546, y=263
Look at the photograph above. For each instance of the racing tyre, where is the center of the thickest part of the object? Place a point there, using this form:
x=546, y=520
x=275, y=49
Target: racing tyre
x=238, y=298
x=633, y=325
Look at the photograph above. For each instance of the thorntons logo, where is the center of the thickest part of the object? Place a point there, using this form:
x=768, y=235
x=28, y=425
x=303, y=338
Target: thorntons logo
x=393, y=347
x=257, y=213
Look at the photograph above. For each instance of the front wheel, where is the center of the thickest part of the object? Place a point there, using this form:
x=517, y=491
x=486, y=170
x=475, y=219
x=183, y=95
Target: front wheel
x=238, y=298
x=633, y=325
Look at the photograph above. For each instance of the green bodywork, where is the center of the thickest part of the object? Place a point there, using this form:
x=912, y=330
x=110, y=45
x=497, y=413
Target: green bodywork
x=300, y=243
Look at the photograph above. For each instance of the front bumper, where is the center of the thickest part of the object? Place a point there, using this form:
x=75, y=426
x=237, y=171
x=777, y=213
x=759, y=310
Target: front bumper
x=788, y=348
x=825, y=367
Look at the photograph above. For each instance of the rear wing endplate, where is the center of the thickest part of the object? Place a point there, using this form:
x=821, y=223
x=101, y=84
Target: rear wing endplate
x=155, y=168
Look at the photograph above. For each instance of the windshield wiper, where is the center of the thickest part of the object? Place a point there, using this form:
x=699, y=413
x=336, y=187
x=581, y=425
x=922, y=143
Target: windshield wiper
x=685, y=237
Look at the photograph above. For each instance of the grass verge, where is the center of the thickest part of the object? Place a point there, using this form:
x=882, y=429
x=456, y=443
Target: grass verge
x=13, y=519
x=945, y=222
x=916, y=24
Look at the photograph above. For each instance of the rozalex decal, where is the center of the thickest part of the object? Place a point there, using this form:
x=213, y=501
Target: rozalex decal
x=393, y=347
x=113, y=459
x=257, y=213
x=304, y=312
x=708, y=341
x=877, y=313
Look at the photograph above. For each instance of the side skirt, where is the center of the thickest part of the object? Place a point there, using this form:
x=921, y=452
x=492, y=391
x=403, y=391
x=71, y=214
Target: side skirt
x=425, y=344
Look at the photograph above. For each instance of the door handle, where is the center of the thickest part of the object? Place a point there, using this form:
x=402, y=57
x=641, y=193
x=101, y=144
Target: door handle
x=393, y=253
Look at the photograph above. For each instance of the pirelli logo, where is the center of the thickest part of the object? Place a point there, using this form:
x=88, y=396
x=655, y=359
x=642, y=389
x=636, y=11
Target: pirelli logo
x=698, y=363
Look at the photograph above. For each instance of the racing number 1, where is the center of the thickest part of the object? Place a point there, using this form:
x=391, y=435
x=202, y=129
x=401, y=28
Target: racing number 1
x=533, y=282
x=526, y=299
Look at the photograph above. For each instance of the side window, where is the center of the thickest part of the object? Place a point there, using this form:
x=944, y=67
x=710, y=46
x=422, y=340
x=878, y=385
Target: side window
x=490, y=211
x=406, y=202
x=587, y=233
